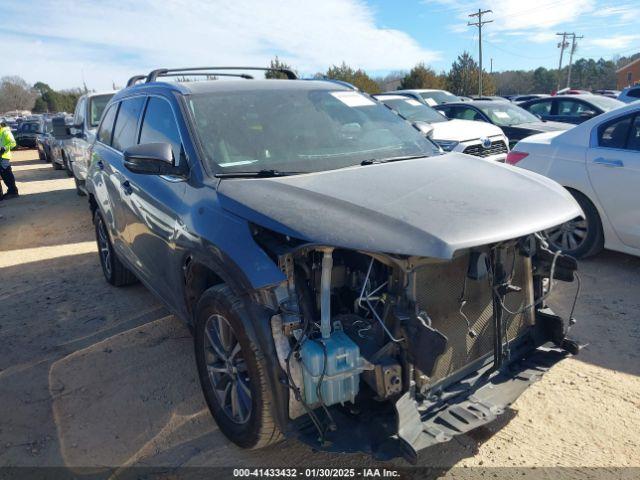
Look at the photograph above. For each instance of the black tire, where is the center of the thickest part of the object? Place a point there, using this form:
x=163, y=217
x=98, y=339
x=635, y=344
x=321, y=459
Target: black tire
x=79, y=191
x=42, y=156
x=113, y=269
x=253, y=429
x=579, y=238
x=56, y=166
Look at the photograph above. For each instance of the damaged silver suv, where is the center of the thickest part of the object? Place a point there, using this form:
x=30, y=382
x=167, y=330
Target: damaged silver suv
x=346, y=281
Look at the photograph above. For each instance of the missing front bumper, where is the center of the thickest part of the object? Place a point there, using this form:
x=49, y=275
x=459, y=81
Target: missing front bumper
x=472, y=402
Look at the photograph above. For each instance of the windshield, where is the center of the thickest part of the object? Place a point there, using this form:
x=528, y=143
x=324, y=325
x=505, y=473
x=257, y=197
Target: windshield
x=505, y=114
x=438, y=97
x=605, y=103
x=96, y=107
x=413, y=110
x=299, y=130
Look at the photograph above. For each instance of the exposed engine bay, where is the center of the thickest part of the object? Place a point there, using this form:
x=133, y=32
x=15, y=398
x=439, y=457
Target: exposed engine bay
x=362, y=332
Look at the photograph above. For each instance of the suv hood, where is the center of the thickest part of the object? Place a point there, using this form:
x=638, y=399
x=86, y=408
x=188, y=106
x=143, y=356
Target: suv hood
x=463, y=130
x=427, y=207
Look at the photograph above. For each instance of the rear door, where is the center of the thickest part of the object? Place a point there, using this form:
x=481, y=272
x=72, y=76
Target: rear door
x=613, y=163
x=102, y=180
x=125, y=134
x=155, y=202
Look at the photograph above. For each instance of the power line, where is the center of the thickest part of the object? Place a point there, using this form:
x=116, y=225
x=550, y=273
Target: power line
x=479, y=24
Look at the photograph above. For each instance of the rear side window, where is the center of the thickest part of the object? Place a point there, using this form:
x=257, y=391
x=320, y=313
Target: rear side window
x=106, y=127
x=572, y=108
x=159, y=125
x=614, y=133
x=635, y=93
x=126, y=128
x=540, y=108
x=634, y=135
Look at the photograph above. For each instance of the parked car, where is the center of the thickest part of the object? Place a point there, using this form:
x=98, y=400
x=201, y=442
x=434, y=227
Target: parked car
x=28, y=132
x=599, y=163
x=495, y=98
x=515, y=122
x=529, y=96
x=428, y=96
x=76, y=140
x=630, y=94
x=572, y=91
x=61, y=125
x=608, y=93
x=573, y=109
x=473, y=138
x=44, y=142
x=340, y=273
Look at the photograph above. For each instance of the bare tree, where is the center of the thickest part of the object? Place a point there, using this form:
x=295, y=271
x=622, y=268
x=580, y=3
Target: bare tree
x=16, y=94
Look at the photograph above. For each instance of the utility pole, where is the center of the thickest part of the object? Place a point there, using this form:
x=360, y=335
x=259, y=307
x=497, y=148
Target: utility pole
x=562, y=45
x=571, y=52
x=479, y=24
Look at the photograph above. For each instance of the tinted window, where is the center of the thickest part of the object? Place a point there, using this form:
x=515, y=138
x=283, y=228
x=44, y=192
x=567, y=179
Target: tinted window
x=125, y=130
x=614, y=133
x=540, y=108
x=634, y=135
x=466, y=113
x=635, y=93
x=159, y=125
x=106, y=127
x=571, y=108
x=96, y=107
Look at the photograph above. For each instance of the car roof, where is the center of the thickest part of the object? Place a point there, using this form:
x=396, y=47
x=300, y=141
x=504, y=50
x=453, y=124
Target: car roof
x=207, y=86
x=476, y=103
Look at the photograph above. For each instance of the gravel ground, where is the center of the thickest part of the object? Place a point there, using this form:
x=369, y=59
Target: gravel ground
x=92, y=375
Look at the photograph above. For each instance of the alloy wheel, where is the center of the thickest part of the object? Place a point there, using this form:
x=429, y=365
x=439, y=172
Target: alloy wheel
x=570, y=235
x=104, y=247
x=227, y=369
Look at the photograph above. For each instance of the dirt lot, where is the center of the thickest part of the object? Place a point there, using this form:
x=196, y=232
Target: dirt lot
x=91, y=375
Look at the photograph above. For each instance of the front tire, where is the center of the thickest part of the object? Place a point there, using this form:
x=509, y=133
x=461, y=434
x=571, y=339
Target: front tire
x=113, y=269
x=56, y=165
x=79, y=191
x=580, y=238
x=233, y=380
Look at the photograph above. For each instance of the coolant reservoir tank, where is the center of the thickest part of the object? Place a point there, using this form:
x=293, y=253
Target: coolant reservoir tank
x=342, y=374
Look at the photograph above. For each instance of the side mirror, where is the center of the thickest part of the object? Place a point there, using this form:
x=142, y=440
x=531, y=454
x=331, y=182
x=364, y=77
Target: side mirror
x=425, y=128
x=151, y=159
x=60, y=129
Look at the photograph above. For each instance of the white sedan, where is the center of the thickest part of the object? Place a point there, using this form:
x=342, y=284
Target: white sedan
x=599, y=163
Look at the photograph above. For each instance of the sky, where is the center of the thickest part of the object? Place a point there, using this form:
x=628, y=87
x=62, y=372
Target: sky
x=66, y=43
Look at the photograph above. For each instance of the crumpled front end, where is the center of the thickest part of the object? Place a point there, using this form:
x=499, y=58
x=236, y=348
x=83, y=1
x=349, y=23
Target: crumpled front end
x=390, y=354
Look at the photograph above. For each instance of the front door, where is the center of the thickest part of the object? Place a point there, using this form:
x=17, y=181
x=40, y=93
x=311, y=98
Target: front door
x=154, y=204
x=613, y=164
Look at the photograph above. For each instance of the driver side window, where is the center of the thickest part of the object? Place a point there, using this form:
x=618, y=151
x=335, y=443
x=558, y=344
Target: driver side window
x=614, y=134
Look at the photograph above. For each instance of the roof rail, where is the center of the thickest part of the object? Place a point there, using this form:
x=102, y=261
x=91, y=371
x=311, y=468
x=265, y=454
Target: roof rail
x=163, y=72
x=339, y=82
x=135, y=79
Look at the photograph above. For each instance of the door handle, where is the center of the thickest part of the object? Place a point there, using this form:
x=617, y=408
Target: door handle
x=608, y=162
x=126, y=187
x=100, y=164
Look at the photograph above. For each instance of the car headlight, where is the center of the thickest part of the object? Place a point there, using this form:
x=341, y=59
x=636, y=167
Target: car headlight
x=446, y=145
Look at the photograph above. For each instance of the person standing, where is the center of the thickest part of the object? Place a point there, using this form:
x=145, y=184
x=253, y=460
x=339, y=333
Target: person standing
x=7, y=142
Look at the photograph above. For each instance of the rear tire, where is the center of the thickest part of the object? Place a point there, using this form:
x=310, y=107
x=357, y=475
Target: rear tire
x=56, y=166
x=226, y=377
x=579, y=238
x=113, y=269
